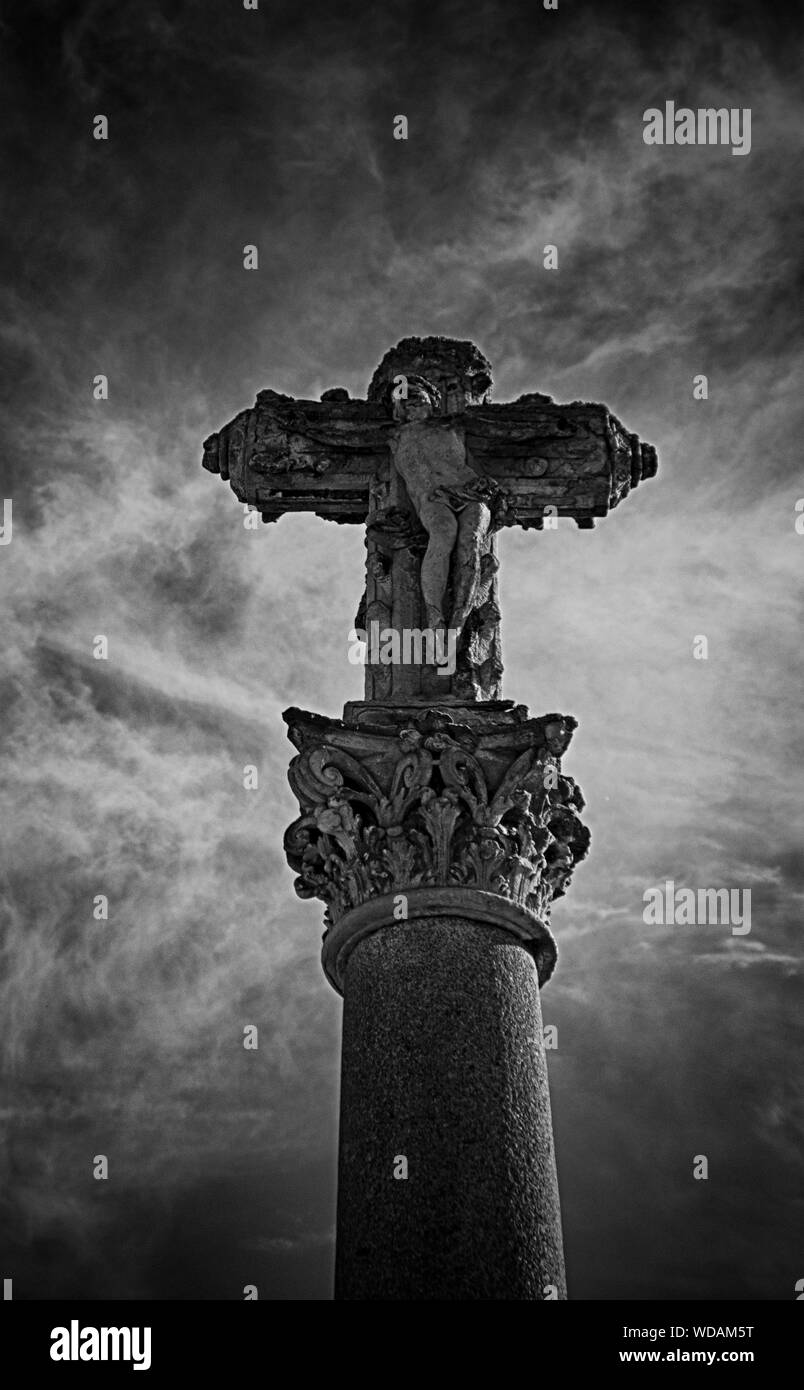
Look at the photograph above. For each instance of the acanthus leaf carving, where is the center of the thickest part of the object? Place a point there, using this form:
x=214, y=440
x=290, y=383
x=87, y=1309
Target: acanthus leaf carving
x=426, y=801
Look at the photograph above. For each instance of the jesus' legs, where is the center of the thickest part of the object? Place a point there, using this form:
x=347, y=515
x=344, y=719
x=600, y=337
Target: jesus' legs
x=473, y=525
x=441, y=525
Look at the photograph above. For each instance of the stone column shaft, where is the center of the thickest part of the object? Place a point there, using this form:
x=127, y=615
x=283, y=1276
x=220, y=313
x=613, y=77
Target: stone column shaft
x=438, y=839
x=444, y=1077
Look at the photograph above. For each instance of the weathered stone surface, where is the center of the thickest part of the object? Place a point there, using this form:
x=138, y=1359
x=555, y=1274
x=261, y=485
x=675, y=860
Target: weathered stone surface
x=462, y=819
x=440, y=798
x=443, y=1064
x=322, y=456
x=433, y=492
x=466, y=904
x=436, y=824
x=456, y=367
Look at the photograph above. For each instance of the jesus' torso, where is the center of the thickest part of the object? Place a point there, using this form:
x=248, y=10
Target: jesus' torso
x=430, y=456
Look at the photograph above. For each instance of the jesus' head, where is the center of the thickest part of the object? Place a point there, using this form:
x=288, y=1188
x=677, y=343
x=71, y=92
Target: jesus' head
x=419, y=401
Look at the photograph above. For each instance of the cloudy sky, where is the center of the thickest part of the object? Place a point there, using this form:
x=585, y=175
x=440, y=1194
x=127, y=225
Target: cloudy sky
x=124, y=777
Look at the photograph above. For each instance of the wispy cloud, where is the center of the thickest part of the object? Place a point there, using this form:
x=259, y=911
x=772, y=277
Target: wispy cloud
x=125, y=777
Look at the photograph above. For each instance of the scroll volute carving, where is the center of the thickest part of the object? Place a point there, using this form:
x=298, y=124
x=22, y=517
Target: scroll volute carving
x=433, y=804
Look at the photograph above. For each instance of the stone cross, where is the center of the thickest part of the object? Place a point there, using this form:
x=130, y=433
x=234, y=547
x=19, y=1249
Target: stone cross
x=437, y=824
x=433, y=470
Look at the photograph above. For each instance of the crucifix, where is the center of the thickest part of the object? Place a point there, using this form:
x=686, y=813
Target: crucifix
x=437, y=824
x=433, y=470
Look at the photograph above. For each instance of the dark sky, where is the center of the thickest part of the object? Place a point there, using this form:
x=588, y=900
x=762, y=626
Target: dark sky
x=124, y=777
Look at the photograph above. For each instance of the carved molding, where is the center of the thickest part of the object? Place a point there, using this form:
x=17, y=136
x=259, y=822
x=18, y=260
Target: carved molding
x=433, y=904
x=460, y=798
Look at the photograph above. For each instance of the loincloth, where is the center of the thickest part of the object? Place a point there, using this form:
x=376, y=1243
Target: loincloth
x=457, y=498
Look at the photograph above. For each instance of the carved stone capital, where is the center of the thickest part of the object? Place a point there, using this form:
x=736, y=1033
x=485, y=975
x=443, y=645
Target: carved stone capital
x=396, y=799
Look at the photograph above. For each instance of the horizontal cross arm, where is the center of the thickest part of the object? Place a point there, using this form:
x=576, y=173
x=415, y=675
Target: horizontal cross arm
x=577, y=458
x=287, y=455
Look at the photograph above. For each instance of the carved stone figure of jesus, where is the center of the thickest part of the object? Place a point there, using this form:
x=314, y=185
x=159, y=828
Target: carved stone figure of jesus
x=433, y=469
x=450, y=499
